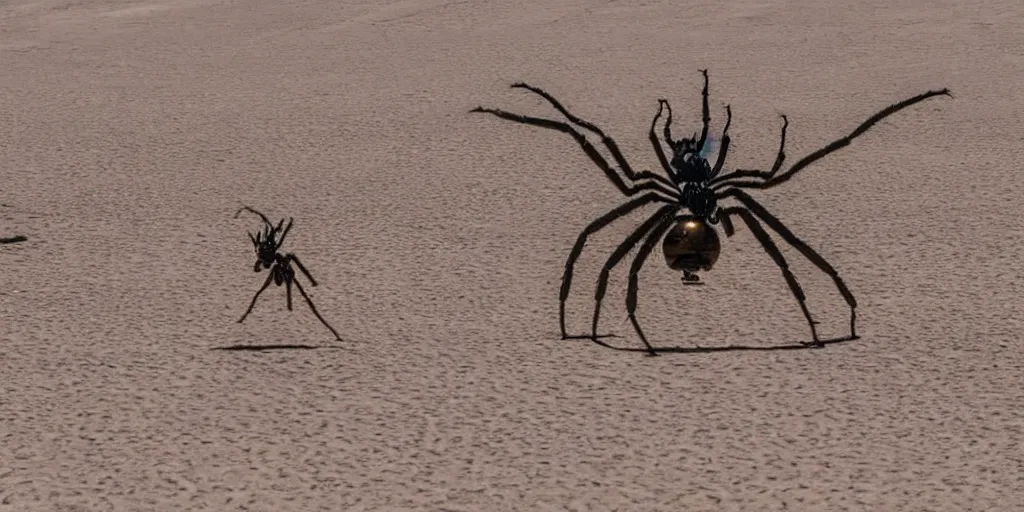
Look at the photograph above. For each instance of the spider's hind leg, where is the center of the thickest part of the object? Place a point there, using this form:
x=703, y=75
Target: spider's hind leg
x=577, y=249
x=622, y=250
x=315, y=312
x=752, y=206
x=776, y=255
x=303, y=269
x=634, y=277
x=288, y=290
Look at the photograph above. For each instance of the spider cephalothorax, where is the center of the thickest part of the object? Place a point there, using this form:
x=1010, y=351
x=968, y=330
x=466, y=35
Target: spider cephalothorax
x=690, y=193
x=267, y=244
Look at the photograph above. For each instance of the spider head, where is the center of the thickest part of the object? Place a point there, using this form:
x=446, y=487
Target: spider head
x=265, y=244
x=688, y=162
x=691, y=245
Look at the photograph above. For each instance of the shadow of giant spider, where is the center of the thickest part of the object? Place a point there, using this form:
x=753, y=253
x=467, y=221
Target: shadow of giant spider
x=690, y=194
x=267, y=245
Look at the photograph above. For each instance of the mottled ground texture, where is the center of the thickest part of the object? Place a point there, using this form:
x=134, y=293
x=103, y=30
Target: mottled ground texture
x=131, y=131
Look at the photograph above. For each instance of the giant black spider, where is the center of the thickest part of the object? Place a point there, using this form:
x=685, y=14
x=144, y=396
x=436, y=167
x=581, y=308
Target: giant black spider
x=267, y=245
x=690, y=195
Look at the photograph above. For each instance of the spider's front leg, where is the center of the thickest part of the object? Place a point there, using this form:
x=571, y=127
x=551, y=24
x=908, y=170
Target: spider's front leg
x=719, y=181
x=270, y=279
x=639, y=182
x=723, y=149
x=768, y=180
x=609, y=142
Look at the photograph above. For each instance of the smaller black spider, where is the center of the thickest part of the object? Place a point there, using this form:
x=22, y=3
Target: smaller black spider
x=267, y=245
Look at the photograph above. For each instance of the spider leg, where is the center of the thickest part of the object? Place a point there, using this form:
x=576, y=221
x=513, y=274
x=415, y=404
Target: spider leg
x=303, y=269
x=621, y=251
x=668, y=122
x=315, y=312
x=288, y=279
x=266, y=283
x=716, y=183
x=773, y=251
x=658, y=150
x=251, y=210
x=723, y=149
x=287, y=228
x=843, y=141
x=581, y=241
x=706, y=110
x=589, y=149
x=777, y=226
x=634, y=276
x=609, y=142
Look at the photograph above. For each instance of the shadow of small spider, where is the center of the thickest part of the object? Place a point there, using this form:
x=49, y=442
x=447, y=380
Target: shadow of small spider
x=267, y=245
x=266, y=348
x=13, y=239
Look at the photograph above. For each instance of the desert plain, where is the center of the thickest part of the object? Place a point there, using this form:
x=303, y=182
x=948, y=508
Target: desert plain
x=131, y=131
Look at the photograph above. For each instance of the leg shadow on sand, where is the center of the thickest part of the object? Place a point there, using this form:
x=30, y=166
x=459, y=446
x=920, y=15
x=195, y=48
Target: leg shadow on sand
x=729, y=348
x=264, y=348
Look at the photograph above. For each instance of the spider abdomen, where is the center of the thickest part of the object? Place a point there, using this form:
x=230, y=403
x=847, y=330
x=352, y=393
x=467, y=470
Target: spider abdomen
x=691, y=245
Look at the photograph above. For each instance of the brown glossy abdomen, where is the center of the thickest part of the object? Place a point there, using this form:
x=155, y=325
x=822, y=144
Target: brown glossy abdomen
x=691, y=245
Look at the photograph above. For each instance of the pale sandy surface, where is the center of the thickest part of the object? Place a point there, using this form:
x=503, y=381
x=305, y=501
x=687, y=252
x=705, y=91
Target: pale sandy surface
x=131, y=131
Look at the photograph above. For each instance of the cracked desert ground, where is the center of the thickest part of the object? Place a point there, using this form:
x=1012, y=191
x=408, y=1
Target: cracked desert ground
x=131, y=132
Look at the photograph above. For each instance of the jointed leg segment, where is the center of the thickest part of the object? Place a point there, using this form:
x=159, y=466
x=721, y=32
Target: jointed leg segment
x=656, y=182
x=778, y=227
x=773, y=251
x=621, y=251
x=581, y=241
x=634, y=275
x=768, y=180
